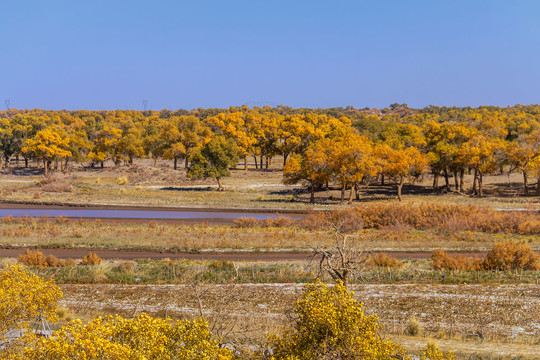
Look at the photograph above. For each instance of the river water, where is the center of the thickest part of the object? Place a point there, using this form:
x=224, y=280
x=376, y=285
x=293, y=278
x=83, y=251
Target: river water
x=142, y=214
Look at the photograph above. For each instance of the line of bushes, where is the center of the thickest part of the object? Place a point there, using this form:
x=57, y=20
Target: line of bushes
x=507, y=255
x=421, y=216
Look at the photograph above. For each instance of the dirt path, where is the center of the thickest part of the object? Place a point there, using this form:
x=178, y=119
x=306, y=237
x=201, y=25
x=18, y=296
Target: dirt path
x=205, y=255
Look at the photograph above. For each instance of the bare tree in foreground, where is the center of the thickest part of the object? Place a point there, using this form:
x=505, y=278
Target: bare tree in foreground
x=343, y=259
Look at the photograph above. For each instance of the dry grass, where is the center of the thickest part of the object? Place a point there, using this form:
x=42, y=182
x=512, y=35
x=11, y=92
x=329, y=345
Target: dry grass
x=63, y=233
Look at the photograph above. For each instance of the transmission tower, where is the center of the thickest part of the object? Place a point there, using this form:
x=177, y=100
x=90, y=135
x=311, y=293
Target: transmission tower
x=7, y=102
x=144, y=104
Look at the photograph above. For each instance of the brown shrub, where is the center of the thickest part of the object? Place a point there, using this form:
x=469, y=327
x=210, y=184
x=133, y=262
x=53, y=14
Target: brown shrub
x=91, y=259
x=384, y=260
x=280, y=221
x=511, y=255
x=508, y=255
x=421, y=216
x=36, y=258
x=441, y=260
x=55, y=184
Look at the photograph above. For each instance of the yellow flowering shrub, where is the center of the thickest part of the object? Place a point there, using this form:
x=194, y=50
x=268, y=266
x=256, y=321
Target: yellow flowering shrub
x=331, y=324
x=115, y=337
x=432, y=352
x=25, y=296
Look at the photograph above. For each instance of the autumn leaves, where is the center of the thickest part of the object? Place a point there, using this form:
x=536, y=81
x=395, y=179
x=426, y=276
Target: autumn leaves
x=319, y=147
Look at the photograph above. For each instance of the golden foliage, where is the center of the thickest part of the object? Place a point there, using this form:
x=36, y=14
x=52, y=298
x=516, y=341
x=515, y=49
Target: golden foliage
x=330, y=324
x=114, y=337
x=25, y=296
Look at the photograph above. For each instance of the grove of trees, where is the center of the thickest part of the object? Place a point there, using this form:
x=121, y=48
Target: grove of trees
x=345, y=147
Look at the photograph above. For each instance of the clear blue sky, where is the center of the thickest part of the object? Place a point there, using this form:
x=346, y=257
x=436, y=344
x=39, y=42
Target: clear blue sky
x=112, y=54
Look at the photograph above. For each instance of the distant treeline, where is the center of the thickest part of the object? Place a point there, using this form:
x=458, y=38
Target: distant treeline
x=344, y=146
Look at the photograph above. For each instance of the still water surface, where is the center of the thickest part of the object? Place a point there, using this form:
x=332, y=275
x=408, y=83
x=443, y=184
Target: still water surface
x=142, y=214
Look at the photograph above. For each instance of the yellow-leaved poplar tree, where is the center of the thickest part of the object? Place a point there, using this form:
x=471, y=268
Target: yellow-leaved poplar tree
x=47, y=145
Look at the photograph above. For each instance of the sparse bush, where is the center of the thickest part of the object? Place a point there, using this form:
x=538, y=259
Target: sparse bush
x=441, y=260
x=126, y=266
x=384, y=260
x=432, y=352
x=413, y=327
x=122, y=180
x=280, y=222
x=511, y=255
x=221, y=265
x=36, y=258
x=55, y=184
x=91, y=259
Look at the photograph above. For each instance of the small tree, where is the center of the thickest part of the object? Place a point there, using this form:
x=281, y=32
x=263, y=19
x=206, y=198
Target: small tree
x=214, y=160
x=401, y=165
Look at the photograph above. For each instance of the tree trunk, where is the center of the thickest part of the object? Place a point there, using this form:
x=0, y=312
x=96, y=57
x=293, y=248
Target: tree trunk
x=351, y=194
x=446, y=179
x=343, y=188
x=266, y=163
x=538, y=186
x=285, y=156
x=456, y=180
x=382, y=179
x=312, y=197
x=175, y=166
x=102, y=164
x=186, y=162
x=46, y=166
x=256, y=163
x=261, y=162
x=474, y=181
x=220, y=187
x=435, y=179
x=155, y=162
x=399, y=187
x=25, y=162
x=357, y=191
x=461, y=179
x=480, y=184
x=525, y=184
x=245, y=163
